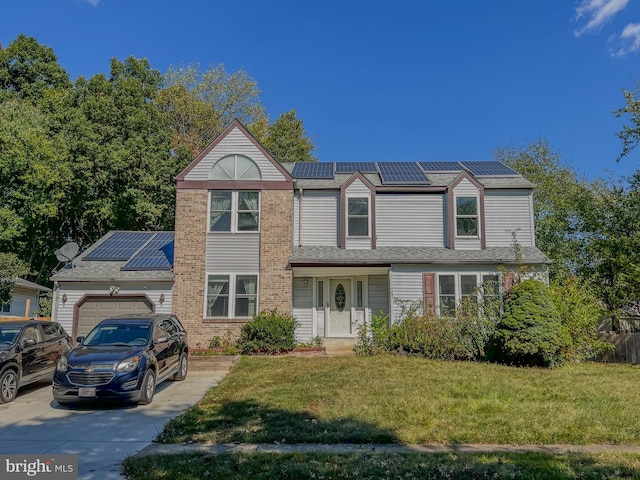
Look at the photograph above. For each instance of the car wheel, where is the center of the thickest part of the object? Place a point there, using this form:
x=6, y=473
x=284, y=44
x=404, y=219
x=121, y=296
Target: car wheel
x=148, y=388
x=8, y=386
x=183, y=368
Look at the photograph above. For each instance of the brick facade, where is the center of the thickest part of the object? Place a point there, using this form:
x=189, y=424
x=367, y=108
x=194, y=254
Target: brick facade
x=275, y=280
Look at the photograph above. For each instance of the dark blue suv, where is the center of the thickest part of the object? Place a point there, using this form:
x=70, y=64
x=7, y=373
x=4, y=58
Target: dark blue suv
x=123, y=357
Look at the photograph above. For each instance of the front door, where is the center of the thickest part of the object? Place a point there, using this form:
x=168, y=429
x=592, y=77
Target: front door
x=340, y=322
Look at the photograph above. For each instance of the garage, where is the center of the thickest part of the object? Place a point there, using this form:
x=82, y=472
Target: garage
x=94, y=309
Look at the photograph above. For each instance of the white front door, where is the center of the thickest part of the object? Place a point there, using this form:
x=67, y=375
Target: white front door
x=340, y=300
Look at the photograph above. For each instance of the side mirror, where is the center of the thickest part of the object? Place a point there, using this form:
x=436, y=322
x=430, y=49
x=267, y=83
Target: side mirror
x=29, y=342
x=162, y=340
x=79, y=340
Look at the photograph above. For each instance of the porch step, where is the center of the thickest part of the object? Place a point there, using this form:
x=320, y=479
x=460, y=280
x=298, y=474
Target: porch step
x=339, y=346
x=212, y=362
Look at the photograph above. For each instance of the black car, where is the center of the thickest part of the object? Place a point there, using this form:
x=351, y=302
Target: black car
x=123, y=357
x=29, y=351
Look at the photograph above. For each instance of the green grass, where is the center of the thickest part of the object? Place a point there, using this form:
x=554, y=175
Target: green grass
x=411, y=400
x=258, y=466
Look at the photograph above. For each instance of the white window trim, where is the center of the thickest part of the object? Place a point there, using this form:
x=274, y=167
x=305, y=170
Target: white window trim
x=232, y=293
x=457, y=283
x=355, y=237
x=476, y=216
x=234, y=213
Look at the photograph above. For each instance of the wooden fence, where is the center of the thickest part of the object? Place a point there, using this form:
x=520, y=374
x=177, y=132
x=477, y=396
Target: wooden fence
x=627, y=348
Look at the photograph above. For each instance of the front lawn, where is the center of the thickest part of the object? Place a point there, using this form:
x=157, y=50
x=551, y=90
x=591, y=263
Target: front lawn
x=412, y=400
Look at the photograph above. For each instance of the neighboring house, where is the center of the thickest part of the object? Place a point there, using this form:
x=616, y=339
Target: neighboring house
x=334, y=243
x=25, y=300
x=123, y=272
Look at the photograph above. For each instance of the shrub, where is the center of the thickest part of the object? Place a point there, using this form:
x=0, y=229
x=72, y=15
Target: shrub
x=531, y=332
x=268, y=332
x=581, y=313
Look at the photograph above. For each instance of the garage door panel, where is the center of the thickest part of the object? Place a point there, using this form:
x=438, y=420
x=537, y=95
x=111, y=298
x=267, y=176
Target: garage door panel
x=94, y=310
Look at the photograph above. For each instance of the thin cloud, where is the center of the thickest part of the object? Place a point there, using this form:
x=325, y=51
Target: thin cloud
x=598, y=12
x=93, y=3
x=630, y=40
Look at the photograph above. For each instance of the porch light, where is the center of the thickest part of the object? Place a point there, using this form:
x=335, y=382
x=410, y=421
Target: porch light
x=64, y=298
x=161, y=298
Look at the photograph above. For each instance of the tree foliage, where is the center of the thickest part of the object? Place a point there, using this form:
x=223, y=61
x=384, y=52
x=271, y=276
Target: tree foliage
x=287, y=140
x=630, y=133
x=11, y=267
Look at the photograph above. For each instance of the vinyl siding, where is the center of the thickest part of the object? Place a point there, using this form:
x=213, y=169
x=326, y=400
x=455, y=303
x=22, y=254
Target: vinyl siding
x=229, y=252
x=18, y=306
x=235, y=143
x=508, y=211
x=303, y=308
x=320, y=218
x=409, y=220
x=378, y=293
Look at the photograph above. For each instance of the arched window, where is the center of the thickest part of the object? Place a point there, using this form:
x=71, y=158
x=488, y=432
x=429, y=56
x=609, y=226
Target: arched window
x=235, y=167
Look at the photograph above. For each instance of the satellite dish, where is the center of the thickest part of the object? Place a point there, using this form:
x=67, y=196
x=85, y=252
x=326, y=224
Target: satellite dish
x=67, y=252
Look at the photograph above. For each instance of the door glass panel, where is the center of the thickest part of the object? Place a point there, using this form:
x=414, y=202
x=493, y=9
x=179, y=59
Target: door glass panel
x=340, y=297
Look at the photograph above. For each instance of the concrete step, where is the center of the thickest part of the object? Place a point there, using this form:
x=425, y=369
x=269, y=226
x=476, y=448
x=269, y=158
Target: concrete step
x=339, y=346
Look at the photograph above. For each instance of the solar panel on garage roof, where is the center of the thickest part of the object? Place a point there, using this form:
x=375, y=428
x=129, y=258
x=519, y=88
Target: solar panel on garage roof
x=119, y=246
x=157, y=254
x=441, y=166
x=489, y=168
x=312, y=170
x=400, y=173
x=352, y=167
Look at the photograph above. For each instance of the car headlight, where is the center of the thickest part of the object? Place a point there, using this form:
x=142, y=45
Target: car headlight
x=128, y=365
x=63, y=364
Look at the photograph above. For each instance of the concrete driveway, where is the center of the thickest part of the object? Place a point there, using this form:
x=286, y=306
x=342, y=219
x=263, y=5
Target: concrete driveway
x=101, y=435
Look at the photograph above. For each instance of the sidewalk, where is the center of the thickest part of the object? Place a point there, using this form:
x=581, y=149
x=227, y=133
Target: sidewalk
x=217, y=449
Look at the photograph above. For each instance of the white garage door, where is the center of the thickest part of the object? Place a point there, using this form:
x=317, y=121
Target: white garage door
x=95, y=310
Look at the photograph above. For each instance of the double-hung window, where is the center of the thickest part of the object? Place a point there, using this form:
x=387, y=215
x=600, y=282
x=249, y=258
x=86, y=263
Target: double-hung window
x=234, y=211
x=447, y=288
x=232, y=296
x=466, y=216
x=358, y=217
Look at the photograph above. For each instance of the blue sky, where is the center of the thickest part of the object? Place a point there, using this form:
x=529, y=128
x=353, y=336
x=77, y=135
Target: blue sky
x=385, y=80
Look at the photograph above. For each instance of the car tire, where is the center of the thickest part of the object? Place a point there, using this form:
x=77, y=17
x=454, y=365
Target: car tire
x=148, y=388
x=183, y=368
x=8, y=386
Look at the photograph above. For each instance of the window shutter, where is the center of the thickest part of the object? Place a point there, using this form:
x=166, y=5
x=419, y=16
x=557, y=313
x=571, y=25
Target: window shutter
x=429, y=292
x=507, y=282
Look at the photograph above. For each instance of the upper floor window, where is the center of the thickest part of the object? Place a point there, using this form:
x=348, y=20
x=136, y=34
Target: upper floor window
x=467, y=216
x=358, y=217
x=233, y=211
x=235, y=167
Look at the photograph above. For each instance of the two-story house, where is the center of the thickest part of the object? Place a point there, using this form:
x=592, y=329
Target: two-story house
x=334, y=243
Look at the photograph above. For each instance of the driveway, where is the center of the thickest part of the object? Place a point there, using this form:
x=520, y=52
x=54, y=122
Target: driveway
x=102, y=436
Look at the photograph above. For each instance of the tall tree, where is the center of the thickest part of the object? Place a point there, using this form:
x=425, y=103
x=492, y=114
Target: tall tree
x=28, y=70
x=561, y=198
x=630, y=133
x=287, y=140
x=11, y=267
x=200, y=105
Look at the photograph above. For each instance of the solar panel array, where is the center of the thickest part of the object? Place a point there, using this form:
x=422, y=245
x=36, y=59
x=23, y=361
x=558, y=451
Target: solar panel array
x=489, y=168
x=401, y=173
x=441, y=166
x=313, y=170
x=352, y=167
x=120, y=246
x=157, y=254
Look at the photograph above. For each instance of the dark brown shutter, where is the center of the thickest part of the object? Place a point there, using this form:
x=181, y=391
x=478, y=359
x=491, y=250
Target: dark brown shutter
x=429, y=291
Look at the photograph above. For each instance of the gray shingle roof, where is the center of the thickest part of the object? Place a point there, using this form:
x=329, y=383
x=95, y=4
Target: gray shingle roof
x=389, y=255
x=81, y=270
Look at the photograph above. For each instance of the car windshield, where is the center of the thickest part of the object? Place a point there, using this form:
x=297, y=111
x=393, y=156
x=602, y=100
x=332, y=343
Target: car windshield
x=118, y=335
x=7, y=336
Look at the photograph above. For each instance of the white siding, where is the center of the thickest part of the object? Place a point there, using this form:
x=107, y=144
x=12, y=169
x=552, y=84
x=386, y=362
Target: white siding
x=235, y=143
x=409, y=220
x=229, y=252
x=465, y=187
x=508, y=211
x=75, y=291
x=358, y=189
x=18, y=305
x=303, y=308
x=378, y=293
x=320, y=218
x=296, y=220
